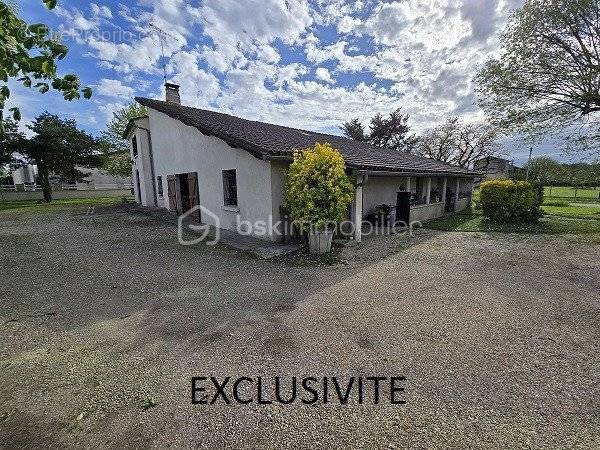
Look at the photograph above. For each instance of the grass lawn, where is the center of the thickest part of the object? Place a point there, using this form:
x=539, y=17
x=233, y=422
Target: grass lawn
x=577, y=212
x=547, y=225
x=569, y=192
x=38, y=205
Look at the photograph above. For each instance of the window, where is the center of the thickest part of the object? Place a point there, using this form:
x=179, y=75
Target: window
x=229, y=188
x=134, y=145
x=160, y=187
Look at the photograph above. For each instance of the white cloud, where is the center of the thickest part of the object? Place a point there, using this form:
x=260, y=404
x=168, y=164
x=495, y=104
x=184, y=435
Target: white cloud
x=235, y=56
x=101, y=11
x=108, y=108
x=114, y=88
x=238, y=29
x=323, y=74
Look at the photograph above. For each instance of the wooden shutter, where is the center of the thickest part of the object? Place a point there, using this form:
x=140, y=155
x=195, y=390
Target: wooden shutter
x=172, y=193
x=193, y=192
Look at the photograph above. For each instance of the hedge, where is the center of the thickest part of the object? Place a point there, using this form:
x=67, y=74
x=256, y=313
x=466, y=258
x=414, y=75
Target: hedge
x=510, y=201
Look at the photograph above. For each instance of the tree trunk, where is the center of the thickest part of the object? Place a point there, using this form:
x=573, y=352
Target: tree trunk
x=46, y=189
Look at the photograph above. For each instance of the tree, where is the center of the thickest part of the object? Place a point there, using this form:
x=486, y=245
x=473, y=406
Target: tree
x=547, y=74
x=57, y=147
x=389, y=132
x=117, y=164
x=458, y=143
x=353, y=129
x=30, y=52
x=113, y=135
x=7, y=141
x=545, y=170
x=116, y=160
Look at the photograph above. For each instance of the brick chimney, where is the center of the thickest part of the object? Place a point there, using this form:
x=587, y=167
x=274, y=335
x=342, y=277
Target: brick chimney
x=172, y=93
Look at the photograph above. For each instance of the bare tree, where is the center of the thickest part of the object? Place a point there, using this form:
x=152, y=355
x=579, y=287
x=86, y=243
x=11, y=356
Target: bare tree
x=547, y=77
x=458, y=143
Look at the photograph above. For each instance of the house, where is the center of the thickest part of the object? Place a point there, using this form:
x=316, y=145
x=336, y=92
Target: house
x=494, y=167
x=235, y=169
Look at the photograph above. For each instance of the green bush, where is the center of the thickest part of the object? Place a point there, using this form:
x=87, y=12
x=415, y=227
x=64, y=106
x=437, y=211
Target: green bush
x=510, y=201
x=318, y=190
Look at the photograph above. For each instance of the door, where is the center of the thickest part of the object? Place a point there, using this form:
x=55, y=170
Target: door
x=403, y=208
x=172, y=192
x=139, y=188
x=193, y=194
x=450, y=201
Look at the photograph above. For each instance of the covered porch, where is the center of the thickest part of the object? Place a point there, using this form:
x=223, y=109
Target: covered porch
x=409, y=197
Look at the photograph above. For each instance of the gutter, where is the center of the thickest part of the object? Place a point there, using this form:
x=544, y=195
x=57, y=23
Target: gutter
x=397, y=173
x=415, y=174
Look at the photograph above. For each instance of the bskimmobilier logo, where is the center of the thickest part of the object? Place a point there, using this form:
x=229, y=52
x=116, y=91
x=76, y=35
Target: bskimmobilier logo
x=209, y=231
x=202, y=228
x=372, y=390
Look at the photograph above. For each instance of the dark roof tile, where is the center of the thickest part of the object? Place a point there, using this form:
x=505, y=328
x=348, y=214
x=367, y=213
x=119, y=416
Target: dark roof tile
x=270, y=140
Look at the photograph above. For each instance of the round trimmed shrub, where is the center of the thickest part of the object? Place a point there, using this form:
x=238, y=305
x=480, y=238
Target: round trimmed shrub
x=318, y=190
x=510, y=201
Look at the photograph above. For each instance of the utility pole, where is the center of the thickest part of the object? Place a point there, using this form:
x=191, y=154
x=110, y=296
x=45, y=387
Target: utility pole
x=529, y=163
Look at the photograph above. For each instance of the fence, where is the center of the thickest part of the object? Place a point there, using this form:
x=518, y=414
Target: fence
x=571, y=192
x=65, y=187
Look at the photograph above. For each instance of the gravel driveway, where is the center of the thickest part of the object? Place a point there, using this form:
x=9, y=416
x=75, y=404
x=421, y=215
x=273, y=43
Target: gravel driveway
x=497, y=336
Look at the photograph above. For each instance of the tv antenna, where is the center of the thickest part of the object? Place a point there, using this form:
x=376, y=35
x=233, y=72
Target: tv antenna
x=162, y=35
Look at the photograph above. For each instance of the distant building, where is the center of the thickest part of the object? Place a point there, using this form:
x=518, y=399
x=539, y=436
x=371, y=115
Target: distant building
x=25, y=177
x=494, y=167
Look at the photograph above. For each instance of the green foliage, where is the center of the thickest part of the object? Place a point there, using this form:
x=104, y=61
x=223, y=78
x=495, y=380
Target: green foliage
x=547, y=72
x=389, y=132
x=57, y=147
x=113, y=135
x=353, y=129
x=550, y=172
x=318, y=190
x=510, y=201
x=149, y=402
x=8, y=139
x=473, y=222
x=576, y=211
x=29, y=53
x=117, y=164
x=544, y=169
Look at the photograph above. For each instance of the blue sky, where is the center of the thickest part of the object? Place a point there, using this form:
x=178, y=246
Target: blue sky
x=305, y=64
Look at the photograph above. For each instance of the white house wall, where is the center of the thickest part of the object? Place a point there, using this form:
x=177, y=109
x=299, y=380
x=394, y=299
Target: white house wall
x=278, y=182
x=178, y=148
x=141, y=162
x=380, y=191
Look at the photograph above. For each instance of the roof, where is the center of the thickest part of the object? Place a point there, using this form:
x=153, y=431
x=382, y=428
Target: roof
x=269, y=141
x=492, y=158
x=130, y=125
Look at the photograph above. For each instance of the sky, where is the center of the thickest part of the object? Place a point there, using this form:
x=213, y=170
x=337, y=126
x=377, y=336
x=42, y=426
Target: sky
x=305, y=64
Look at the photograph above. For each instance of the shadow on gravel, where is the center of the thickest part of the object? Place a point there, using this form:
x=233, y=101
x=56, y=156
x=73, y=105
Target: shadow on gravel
x=117, y=263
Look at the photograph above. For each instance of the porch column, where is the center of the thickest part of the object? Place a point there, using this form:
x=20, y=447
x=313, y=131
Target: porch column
x=444, y=189
x=408, y=184
x=457, y=191
x=428, y=192
x=358, y=208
